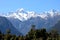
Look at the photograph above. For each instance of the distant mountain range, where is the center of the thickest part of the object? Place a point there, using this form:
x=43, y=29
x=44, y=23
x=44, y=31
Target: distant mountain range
x=22, y=20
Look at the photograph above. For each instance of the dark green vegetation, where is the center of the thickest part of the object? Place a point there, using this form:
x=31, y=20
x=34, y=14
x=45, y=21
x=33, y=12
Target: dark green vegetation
x=33, y=34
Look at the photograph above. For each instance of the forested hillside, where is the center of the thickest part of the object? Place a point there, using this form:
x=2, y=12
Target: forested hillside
x=33, y=34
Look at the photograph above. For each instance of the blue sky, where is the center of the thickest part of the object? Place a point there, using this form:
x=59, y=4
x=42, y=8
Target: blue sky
x=31, y=5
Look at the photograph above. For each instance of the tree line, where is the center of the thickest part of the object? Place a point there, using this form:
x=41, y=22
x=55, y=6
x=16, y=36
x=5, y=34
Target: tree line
x=33, y=34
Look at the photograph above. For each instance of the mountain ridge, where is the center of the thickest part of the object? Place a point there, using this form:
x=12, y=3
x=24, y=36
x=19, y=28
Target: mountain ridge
x=5, y=24
x=23, y=15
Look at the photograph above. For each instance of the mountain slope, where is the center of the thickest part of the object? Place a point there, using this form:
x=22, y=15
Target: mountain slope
x=6, y=24
x=57, y=26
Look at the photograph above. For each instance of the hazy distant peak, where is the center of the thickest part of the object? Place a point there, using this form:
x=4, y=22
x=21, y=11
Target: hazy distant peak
x=21, y=10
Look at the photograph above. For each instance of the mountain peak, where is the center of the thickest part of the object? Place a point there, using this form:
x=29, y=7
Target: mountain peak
x=21, y=10
x=53, y=10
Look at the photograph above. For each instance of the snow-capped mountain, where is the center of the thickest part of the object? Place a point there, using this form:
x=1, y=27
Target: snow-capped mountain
x=23, y=15
x=22, y=20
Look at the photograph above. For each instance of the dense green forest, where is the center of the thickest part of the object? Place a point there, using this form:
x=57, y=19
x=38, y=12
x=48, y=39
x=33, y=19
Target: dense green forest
x=33, y=34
